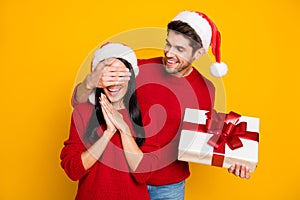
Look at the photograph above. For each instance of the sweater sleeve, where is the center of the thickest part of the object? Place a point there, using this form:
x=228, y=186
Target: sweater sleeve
x=73, y=147
x=74, y=102
x=149, y=161
x=151, y=151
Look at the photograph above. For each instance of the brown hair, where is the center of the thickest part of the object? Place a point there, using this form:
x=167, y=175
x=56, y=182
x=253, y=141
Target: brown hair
x=188, y=32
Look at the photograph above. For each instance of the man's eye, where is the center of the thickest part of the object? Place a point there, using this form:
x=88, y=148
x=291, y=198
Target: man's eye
x=180, y=49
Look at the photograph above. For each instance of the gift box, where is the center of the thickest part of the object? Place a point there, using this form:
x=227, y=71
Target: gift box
x=219, y=139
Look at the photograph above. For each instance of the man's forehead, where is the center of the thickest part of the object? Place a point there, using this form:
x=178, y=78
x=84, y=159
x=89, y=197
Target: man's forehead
x=177, y=39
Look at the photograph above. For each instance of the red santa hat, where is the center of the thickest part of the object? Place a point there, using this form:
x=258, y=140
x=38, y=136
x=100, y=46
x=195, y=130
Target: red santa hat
x=210, y=36
x=116, y=50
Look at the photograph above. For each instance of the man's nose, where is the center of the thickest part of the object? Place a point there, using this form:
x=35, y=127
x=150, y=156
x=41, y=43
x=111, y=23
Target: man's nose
x=169, y=52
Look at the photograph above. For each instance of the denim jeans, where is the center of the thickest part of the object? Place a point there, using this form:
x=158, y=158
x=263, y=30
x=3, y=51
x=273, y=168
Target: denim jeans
x=167, y=192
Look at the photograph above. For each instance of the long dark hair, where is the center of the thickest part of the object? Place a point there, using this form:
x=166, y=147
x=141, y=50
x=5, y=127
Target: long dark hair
x=131, y=104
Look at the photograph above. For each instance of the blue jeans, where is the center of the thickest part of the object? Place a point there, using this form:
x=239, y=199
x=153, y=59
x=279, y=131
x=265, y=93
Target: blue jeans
x=167, y=192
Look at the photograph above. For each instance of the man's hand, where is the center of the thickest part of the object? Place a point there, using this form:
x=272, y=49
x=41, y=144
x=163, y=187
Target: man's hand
x=109, y=72
x=239, y=170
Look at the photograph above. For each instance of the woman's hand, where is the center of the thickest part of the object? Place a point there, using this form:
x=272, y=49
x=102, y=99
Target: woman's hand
x=113, y=115
x=110, y=127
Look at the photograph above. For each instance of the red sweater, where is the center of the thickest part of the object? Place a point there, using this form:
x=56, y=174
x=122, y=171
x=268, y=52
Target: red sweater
x=110, y=178
x=164, y=98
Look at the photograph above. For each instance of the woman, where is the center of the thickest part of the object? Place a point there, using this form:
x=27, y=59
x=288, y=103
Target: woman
x=106, y=140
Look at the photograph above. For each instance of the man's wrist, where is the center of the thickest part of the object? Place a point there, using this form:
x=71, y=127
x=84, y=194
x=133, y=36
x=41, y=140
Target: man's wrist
x=86, y=86
x=82, y=93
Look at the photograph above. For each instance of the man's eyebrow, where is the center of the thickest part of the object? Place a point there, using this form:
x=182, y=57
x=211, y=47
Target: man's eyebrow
x=180, y=47
x=177, y=46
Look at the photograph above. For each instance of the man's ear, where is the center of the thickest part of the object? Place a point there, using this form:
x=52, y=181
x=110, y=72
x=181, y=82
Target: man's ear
x=198, y=53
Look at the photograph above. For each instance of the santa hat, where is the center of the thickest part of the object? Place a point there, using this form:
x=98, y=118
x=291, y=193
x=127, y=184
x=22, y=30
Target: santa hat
x=210, y=36
x=116, y=50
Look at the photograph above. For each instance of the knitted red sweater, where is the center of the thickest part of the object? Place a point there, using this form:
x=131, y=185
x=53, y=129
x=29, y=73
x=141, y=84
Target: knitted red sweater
x=164, y=98
x=110, y=178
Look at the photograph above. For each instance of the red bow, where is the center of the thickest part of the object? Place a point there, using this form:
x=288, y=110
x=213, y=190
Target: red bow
x=226, y=129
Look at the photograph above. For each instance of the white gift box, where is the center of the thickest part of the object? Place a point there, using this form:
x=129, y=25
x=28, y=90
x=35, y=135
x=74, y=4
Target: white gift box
x=194, y=147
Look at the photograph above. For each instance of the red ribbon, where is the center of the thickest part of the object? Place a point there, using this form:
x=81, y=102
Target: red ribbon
x=226, y=129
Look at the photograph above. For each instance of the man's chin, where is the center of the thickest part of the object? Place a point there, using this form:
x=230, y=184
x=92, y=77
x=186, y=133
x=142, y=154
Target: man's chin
x=170, y=70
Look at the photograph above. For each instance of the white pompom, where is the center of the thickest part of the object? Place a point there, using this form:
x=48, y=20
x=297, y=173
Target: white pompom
x=218, y=69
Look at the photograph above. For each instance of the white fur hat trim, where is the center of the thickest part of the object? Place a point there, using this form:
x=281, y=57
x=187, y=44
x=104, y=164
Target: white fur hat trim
x=199, y=24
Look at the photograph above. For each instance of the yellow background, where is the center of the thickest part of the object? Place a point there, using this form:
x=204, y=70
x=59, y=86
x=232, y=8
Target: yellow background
x=43, y=44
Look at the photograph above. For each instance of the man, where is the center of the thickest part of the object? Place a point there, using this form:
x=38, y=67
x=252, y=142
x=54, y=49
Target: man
x=166, y=86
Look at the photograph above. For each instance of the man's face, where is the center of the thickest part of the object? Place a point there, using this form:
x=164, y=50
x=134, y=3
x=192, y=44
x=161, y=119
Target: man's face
x=178, y=54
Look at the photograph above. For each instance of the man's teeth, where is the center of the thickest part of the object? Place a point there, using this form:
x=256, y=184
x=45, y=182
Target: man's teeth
x=171, y=61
